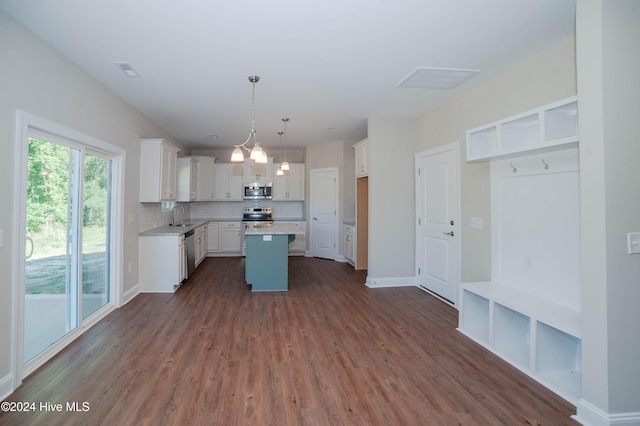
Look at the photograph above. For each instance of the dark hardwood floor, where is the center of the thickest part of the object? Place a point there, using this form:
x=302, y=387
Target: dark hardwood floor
x=330, y=351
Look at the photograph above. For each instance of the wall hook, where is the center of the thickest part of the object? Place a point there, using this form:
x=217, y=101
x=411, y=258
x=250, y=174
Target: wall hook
x=546, y=166
x=513, y=168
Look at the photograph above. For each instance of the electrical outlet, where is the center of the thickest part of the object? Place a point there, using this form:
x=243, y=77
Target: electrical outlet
x=477, y=223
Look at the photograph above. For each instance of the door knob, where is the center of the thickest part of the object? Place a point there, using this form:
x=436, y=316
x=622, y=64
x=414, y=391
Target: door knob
x=448, y=233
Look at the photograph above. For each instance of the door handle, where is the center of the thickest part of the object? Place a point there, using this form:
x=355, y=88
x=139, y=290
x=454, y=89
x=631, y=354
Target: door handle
x=32, y=247
x=448, y=233
x=315, y=218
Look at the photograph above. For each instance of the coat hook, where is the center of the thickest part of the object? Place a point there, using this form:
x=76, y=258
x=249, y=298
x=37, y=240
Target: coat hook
x=546, y=166
x=514, y=169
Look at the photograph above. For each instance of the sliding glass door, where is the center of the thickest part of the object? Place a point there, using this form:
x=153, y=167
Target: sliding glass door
x=68, y=222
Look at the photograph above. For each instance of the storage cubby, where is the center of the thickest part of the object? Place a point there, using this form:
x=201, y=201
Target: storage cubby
x=520, y=133
x=559, y=360
x=483, y=143
x=561, y=122
x=475, y=321
x=511, y=335
x=542, y=129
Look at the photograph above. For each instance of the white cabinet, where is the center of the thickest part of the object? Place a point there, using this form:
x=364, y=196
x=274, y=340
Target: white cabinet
x=196, y=178
x=158, y=162
x=290, y=186
x=546, y=128
x=349, y=246
x=362, y=158
x=200, y=237
x=213, y=237
x=163, y=262
x=230, y=237
x=187, y=179
x=228, y=181
x=256, y=172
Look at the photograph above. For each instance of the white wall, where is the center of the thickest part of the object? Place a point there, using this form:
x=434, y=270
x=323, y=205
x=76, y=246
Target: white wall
x=37, y=79
x=608, y=36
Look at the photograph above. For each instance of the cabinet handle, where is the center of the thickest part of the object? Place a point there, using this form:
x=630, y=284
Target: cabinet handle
x=448, y=233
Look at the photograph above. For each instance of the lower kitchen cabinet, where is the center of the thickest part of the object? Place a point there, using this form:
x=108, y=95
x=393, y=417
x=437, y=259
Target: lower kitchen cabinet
x=349, y=246
x=224, y=238
x=200, y=236
x=163, y=263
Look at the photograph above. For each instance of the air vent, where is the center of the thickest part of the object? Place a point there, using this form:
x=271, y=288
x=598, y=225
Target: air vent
x=437, y=78
x=127, y=69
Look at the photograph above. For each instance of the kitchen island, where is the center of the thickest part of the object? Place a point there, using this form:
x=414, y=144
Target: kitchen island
x=267, y=255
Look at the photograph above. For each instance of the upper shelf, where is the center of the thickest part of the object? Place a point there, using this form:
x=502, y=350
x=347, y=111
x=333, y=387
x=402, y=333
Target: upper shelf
x=549, y=127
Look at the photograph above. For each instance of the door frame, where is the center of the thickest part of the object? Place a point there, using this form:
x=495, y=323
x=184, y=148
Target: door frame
x=24, y=122
x=312, y=203
x=455, y=147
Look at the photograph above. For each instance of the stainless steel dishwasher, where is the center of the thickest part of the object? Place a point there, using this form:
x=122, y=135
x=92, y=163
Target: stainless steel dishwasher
x=190, y=243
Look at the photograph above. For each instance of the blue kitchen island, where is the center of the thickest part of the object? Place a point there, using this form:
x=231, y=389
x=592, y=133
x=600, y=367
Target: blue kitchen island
x=267, y=256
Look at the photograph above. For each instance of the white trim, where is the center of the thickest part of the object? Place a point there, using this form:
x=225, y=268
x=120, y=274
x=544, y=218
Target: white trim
x=6, y=387
x=25, y=124
x=130, y=294
x=589, y=414
x=386, y=282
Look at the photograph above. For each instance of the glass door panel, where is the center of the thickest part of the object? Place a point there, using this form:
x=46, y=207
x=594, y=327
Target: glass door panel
x=95, y=234
x=51, y=270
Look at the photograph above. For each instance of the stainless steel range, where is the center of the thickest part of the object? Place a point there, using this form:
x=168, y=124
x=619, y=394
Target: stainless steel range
x=254, y=216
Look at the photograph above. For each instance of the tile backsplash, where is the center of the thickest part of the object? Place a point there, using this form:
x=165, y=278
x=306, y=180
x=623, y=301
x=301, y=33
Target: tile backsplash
x=153, y=215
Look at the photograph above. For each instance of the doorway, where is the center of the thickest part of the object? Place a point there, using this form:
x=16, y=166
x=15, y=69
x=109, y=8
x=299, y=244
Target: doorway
x=323, y=239
x=438, y=227
x=68, y=202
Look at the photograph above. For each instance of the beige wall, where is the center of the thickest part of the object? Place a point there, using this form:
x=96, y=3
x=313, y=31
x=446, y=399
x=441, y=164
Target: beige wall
x=541, y=79
x=36, y=79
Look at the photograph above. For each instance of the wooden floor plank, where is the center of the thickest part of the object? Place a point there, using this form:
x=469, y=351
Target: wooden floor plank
x=330, y=351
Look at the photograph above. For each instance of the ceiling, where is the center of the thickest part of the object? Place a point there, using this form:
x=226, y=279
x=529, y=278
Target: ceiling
x=328, y=65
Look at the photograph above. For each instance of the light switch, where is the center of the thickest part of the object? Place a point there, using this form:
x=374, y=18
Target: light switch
x=633, y=242
x=266, y=238
x=476, y=222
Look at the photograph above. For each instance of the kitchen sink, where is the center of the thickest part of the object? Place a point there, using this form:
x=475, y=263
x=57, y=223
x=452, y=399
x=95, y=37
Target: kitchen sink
x=185, y=224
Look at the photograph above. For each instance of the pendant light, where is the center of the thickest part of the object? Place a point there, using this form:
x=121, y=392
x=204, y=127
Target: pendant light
x=256, y=152
x=285, y=163
x=280, y=172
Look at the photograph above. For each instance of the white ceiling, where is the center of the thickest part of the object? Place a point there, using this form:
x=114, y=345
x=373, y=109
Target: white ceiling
x=328, y=65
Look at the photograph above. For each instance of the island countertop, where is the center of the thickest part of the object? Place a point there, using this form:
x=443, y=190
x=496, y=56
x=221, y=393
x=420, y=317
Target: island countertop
x=275, y=229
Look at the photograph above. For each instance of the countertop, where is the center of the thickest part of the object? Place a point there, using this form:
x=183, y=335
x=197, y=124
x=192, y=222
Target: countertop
x=275, y=229
x=167, y=230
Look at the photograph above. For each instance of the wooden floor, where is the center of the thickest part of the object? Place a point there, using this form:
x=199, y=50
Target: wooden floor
x=330, y=351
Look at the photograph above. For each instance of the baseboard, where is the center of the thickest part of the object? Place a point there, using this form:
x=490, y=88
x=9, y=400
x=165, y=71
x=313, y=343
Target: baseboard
x=390, y=282
x=6, y=386
x=589, y=414
x=340, y=258
x=130, y=294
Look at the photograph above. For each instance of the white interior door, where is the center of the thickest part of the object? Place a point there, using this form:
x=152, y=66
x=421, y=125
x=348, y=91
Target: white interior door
x=324, y=217
x=437, y=205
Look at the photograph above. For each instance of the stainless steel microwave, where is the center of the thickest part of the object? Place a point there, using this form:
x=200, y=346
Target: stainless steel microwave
x=257, y=191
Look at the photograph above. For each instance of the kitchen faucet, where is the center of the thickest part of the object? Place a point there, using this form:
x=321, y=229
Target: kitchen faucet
x=172, y=213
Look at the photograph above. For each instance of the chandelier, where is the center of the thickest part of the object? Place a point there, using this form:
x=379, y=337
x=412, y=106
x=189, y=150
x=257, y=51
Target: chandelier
x=257, y=154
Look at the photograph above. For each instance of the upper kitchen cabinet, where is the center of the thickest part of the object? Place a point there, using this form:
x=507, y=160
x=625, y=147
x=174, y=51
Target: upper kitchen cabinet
x=158, y=167
x=196, y=178
x=362, y=158
x=256, y=172
x=551, y=127
x=187, y=179
x=290, y=186
x=228, y=181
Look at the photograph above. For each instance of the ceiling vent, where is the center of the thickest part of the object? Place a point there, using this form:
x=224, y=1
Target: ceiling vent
x=437, y=78
x=127, y=69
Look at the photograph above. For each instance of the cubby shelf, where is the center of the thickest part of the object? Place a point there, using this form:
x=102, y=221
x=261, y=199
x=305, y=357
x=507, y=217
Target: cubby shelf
x=515, y=326
x=546, y=128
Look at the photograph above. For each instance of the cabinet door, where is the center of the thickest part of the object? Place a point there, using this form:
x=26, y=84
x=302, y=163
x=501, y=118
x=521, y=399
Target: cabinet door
x=362, y=158
x=187, y=175
x=280, y=186
x=295, y=177
x=213, y=235
x=182, y=261
x=234, y=182
x=168, y=173
x=221, y=182
x=230, y=237
x=205, y=185
x=254, y=172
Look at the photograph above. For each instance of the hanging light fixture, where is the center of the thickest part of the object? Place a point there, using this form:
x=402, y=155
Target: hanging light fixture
x=280, y=172
x=256, y=153
x=285, y=163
